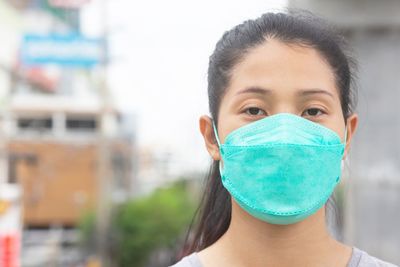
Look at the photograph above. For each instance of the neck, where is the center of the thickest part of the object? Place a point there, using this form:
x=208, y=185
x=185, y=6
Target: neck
x=251, y=242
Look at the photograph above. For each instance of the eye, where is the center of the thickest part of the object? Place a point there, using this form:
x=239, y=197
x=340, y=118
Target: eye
x=313, y=112
x=254, y=111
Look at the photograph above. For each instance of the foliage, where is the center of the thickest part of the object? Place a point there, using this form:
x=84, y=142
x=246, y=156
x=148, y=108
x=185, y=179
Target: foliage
x=87, y=230
x=141, y=226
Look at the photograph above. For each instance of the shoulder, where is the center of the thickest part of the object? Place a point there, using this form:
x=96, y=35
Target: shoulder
x=191, y=260
x=361, y=258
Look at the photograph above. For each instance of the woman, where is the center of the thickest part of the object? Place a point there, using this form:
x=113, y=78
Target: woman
x=282, y=122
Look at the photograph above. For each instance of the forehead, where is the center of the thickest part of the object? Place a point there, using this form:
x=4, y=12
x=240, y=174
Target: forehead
x=282, y=67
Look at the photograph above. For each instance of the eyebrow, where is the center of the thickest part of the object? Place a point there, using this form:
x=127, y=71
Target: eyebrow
x=313, y=91
x=302, y=92
x=254, y=90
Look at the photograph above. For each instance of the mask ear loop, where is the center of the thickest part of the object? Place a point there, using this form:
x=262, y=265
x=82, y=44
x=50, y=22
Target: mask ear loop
x=219, y=145
x=216, y=134
x=345, y=141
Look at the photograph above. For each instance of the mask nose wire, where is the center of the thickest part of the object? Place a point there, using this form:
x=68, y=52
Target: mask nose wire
x=219, y=143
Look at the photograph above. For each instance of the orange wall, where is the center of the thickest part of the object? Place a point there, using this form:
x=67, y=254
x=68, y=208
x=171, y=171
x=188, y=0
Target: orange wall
x=60, y=185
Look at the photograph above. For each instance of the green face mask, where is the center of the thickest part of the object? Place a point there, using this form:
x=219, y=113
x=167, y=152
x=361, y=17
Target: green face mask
x=282, y=168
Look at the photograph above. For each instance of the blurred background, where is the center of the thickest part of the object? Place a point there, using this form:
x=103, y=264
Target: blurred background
x=101, y=160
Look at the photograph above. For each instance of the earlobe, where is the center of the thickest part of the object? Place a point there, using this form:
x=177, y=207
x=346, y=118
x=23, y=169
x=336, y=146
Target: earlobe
x=207, y=130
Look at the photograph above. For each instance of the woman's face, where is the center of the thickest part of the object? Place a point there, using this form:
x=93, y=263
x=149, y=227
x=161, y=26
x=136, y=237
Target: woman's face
x=274, y=78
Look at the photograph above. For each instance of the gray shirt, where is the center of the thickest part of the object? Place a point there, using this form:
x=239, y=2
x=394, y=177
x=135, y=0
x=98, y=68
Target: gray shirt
x=358, y=258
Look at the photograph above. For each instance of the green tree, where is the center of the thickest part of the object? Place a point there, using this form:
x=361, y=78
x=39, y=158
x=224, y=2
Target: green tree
x=141, y=226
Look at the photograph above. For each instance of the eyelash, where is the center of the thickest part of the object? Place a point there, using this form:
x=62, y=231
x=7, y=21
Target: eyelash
x=247, y=111
x=319, y=112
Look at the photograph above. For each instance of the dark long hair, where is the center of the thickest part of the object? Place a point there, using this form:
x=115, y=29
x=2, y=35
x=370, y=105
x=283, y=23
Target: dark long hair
x=292, y=27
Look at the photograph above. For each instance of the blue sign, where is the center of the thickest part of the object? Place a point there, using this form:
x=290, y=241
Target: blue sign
x=66, y=50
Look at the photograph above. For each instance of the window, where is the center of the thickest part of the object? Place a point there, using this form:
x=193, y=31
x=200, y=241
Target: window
x=35, y=124
x=85, y=124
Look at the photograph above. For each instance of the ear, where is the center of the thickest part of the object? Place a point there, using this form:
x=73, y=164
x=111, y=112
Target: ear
x=207, y=130
x=352, y=123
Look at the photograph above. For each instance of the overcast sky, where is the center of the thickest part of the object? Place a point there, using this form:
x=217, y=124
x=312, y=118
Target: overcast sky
x=160, y=51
